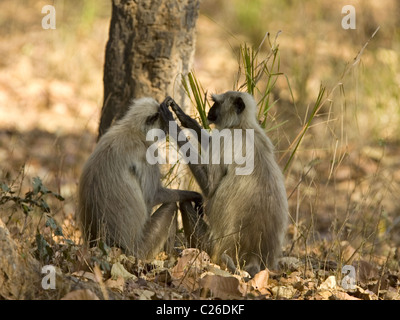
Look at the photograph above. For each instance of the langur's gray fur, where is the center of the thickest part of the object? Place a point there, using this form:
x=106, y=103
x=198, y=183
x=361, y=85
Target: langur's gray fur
x=118, y=188
x=246, y=214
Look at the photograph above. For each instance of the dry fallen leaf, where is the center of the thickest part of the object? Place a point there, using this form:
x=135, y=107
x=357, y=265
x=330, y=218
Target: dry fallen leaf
x=220, y=286
x=118, y=270
x=189, y=267
x=145, y=294
x=117, y=284
x=142, y=294
x=260, y=280
x=344, y=296
x=191, y=259
x=85, y=294
x=363, y=294
x=329, y=283
x=323, y=295
x=285, y=292
x=216, y=269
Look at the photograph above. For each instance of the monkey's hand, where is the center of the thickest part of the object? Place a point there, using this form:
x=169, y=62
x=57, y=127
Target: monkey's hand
x=165, y=114
x=177, y=109
x=186, y=121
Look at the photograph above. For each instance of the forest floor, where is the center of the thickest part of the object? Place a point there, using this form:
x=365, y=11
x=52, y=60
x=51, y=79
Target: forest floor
x=343, y=200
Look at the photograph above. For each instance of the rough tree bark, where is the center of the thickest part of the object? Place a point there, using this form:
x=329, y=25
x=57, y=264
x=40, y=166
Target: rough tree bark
x=151, y=43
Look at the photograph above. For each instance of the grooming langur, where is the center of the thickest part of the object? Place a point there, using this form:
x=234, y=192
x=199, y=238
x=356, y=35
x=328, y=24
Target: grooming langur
x=118, y=187
x=246, y=214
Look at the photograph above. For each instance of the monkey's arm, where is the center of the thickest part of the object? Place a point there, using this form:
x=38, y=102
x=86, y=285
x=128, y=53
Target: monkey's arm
x=199, y=170
x=164, y=195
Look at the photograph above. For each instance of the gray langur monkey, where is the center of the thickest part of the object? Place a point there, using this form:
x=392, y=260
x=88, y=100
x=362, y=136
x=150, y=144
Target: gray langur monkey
x=246, y=214
x=118, y=187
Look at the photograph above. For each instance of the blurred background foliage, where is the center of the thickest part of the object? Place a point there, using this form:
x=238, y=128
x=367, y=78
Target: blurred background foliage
x=315, y=49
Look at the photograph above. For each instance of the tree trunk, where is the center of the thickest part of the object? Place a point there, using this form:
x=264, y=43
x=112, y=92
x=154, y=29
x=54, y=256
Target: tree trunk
x=151, y=43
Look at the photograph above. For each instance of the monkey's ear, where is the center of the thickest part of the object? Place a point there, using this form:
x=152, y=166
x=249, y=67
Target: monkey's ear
x=239, y=105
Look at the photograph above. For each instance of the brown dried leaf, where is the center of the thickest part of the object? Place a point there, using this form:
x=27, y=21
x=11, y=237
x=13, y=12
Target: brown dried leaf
x=260, y=280
x=188, y=282
x=118, y=270
x=84, y=294
x=344, y=296
x=363, y=294
x=189, y=267
x=216, y=269
x=323, y=295
x=117, y=285
x=329, y=283
x=220, y=286
x=192, y=260
x=144, y=294
x=285, y=292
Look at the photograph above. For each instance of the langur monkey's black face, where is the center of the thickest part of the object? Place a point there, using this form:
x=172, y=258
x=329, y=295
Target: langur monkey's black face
x=230, y=107
x=214, y=112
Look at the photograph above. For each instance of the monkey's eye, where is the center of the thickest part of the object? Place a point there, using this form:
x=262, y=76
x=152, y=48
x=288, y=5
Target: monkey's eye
x=153, y=118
